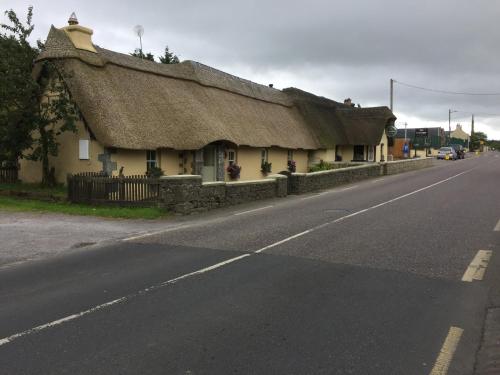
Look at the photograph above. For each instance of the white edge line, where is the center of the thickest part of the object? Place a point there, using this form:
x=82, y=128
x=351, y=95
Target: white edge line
x=15, y=336
x=250, y=211
x=477, y=267
x=447, y=351
x=497, y=227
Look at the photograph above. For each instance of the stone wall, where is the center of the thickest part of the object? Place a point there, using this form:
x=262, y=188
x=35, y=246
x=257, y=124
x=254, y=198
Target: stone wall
x=186, y=194
x=301, y=183
x=304, y=182
x=401, y=166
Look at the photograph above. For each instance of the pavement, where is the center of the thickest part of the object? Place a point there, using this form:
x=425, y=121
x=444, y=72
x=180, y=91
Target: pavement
x=365, y=278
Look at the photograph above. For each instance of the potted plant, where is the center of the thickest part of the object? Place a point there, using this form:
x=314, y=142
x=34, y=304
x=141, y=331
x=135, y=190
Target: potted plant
x=265, y=167
x=292, y=166
x=234, y=171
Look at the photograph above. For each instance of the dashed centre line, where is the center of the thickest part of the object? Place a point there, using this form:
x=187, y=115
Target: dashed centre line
x=448, y=349
x=477, y=268
x=497, y=227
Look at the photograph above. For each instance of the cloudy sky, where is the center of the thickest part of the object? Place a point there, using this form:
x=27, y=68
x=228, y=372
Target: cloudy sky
x=336, y=49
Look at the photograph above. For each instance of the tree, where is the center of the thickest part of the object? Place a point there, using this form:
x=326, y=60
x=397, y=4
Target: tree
x=476, y=138
x=138, y=53
x=169, y=57
x=33, y=114
x=55, y=113
x=17, y=88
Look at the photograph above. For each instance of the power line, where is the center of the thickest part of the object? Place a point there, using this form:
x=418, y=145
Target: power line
x=445, y=91
x=479, y=113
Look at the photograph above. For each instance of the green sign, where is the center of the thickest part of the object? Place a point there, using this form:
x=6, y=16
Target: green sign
x=391, y=131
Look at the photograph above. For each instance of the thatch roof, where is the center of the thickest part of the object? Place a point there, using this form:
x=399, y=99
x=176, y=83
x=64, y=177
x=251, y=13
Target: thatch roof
x=138, y=104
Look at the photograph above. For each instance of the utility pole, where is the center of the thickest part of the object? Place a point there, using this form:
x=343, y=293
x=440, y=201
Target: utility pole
x=449, y=125
x=471, y=132
x=392, y=94
x=406, y=124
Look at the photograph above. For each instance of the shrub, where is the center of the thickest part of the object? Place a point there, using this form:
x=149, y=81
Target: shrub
x=154, y=172
x=265, y=167
x=322, y=166
x=292, y=166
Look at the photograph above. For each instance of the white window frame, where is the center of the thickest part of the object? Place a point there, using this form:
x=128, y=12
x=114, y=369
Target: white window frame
x=151, y=159
x=264, y=155
x=84, y=149
x=231, y=159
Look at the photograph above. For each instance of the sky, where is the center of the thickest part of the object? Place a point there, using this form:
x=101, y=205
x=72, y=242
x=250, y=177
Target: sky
x=336, y=49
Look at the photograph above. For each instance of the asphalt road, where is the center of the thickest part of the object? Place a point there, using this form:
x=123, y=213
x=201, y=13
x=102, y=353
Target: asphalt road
x=361, y=279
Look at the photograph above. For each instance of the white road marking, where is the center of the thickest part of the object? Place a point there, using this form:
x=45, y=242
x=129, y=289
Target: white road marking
x=378, y=180
x=447, y=352
x=148, y=234
x=497, y=227
x=68, y=318
x=250, y=211
x=349, y=188
x=283, y=241
x=477, y=267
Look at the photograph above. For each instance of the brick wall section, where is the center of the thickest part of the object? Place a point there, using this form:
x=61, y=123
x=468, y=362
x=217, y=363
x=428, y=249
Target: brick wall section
x=186, y=194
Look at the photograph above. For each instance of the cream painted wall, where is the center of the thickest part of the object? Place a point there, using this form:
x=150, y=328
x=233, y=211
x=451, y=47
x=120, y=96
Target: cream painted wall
x=327, y=155
x=248, y=159
x=383, y=140
x=170, y=162
x=132, y=161
x=301, y=158
x=67, y=160
x=347, y=152
x=279, y=159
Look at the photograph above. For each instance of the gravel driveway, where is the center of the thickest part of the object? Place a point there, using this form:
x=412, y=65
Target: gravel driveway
x=25, y=235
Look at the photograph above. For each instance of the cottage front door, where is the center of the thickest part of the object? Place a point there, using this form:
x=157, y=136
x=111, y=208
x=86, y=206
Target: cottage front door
x=208, y=170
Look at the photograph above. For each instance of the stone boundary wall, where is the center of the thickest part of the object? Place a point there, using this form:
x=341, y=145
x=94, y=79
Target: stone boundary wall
x=301, y=183
x=185, y=194
x=401, y=166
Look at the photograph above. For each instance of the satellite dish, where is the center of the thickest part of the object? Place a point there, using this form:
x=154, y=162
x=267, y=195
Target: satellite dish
x=139, y=30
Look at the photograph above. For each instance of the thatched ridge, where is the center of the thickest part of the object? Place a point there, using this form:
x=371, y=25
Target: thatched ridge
x=138, y=104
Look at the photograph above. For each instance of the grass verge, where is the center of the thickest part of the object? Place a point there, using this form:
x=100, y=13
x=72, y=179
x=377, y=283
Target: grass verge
x=23, y=205
x=58, y=191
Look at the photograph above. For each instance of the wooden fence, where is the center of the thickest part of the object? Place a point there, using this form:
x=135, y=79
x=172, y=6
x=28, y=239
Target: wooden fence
x=8, y=175
x=93, y=188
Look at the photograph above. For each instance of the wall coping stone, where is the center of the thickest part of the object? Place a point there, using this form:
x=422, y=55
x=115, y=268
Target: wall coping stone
x=214, y=183
x=407, y=160
x=181, y=176
x=277, y=176
x=337, y=170
x=250, y=182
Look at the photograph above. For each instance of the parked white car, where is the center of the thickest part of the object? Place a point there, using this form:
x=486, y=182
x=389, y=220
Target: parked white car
x=444, y=151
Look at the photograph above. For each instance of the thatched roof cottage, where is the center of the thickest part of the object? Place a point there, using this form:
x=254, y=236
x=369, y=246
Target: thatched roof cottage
x=189, y=118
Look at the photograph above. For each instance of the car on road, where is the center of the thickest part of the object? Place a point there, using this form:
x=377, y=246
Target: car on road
x=447, y=153
x=459, y=149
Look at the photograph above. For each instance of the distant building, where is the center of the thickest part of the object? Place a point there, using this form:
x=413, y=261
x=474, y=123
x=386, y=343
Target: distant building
x=425, y=146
